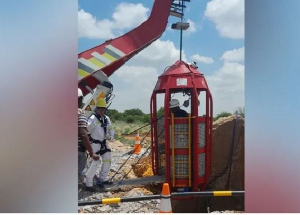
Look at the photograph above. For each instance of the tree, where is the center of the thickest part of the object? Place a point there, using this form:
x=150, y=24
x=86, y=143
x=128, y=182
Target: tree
x=134, y=112
x=118, y=117
x=161, y=112
x=129, y=119
x=240, y=111
x=111, y=112
x=146, y=118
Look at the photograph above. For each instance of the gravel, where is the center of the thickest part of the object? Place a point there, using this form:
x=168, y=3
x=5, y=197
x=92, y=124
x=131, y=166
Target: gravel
x=119, y=155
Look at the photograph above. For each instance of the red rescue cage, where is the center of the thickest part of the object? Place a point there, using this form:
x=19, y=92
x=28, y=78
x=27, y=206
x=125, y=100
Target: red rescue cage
x=181, y=146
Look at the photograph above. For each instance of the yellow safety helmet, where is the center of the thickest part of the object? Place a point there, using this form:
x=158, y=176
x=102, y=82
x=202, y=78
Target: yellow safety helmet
x=101, y=103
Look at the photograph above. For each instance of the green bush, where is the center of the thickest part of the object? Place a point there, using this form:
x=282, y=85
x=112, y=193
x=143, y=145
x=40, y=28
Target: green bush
x=240, y=111
x=118, y=117
x=127, y=130
x=134, y=112
x=129, y=119
x=138, y=118
x=146, y=118
x=132, y=116
x=111, y=112
x=160, y=112
x=222, y=114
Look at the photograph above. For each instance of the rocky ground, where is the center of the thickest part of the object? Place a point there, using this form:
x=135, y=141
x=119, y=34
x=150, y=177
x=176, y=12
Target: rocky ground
x=121, y=153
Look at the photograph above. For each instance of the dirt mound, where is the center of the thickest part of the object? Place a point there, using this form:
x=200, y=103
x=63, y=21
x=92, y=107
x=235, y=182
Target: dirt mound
x=144, y=167
x=228, y=162
x=222, y=121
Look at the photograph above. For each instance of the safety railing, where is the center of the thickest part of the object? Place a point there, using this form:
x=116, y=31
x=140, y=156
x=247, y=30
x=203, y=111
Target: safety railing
x=143, y=198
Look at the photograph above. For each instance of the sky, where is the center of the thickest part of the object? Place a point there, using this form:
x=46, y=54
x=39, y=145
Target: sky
x=215, y=40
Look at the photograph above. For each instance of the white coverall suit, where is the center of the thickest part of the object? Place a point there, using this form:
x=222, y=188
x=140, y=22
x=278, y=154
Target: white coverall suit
x=96, y=130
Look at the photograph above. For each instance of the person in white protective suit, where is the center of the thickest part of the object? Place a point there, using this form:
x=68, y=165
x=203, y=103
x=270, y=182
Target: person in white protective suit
x=99, y=125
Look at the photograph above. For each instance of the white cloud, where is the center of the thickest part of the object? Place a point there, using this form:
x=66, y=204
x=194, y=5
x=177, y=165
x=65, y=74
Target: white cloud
x=126, y=16
x=133, y=86
x=192, y=28
x=136, y=74
x=89, y=27
x=159, y=54
x=227, y=83
x=235, y=55
x=228, y=17
x=227, y=87
x=129, y=15
x=203, y=59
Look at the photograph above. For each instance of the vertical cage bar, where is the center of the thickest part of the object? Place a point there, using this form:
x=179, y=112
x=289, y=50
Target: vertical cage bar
x=173, y=150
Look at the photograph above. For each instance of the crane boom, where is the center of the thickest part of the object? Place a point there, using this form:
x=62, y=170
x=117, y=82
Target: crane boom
x=103, y=60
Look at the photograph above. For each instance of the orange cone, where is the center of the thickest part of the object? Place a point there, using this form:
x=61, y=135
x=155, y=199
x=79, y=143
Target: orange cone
x=137, y=145
x=165, y=202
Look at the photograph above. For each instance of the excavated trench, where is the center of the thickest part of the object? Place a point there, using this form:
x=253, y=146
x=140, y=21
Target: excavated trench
x=227, y=174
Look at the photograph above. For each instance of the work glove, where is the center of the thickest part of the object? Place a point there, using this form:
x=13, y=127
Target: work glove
x=112, y=134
